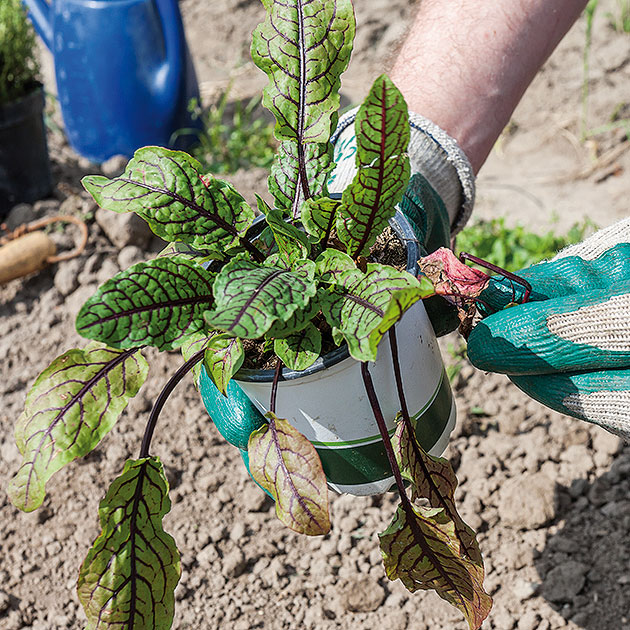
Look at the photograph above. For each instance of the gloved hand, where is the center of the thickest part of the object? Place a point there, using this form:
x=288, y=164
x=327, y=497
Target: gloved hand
x=442, y=182
x=235, y=416
x=438, y=202
x=569, y=346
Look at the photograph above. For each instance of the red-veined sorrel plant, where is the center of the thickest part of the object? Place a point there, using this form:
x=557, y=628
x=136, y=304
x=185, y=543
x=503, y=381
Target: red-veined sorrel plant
x=217, y=286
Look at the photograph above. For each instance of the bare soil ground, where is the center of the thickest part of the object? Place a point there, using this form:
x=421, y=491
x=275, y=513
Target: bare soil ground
x=549, y=496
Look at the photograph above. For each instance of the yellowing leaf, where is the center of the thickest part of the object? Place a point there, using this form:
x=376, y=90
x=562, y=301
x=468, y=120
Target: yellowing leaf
x=73, y=404
x=433, y=478
x=286, y=464
x=421, y=549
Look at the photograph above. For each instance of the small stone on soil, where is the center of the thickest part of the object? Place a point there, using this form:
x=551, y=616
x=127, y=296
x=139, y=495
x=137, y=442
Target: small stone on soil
x=234, y=564
x=114, y=166
x=124, y=229
x=361, y=594
x=527, y=501
x=20, y=215
x=565, y=581
x=5, y=602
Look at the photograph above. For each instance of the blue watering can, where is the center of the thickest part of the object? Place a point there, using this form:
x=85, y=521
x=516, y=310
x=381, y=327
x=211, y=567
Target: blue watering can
x=124, y=73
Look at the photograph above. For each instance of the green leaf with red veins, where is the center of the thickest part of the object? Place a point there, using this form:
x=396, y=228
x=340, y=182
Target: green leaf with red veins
x=223, y=358
x=332, y=263
x=286, y=464
x=303, y=46
x=159, y=303
x=193, y=344
x=251, y=297
x=298, y=321
x=129, y=575
x=382, y=133
x=292, y=243
x=421, y=549
x=299, y=350
x=433, y=478
x=185, y=251
x=364, y=306
x=319, y=216
x=285, y=182
x=166, y=188
x=72, y=405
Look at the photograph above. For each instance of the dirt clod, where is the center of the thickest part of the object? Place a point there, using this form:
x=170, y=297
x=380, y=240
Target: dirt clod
x=361, y=594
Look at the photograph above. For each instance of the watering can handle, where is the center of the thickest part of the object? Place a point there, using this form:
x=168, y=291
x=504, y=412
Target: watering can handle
x=173, y=29
x=39, y=12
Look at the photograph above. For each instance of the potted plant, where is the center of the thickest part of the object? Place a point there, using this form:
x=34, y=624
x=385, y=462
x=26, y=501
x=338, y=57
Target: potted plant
x=297, y=295
x=24, y=165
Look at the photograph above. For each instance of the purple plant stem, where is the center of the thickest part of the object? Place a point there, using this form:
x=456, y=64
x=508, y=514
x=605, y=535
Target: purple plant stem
x=163, y=397
x=329, y=227
x=380, y=421
x=257, y=255
x=274, y=386
x=393, y=344
x=404, y=499
x=503, y=272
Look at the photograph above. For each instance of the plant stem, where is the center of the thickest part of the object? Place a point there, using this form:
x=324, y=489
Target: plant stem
x=257, y=255
x=393, y=344
x=382, y=427
x=163, y=397
x=274, y=386
x=504, y=272
x=419, y=537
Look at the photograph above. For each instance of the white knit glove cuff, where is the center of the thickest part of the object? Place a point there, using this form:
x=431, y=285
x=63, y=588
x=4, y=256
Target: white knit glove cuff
x=599, y=242
x=432, y=153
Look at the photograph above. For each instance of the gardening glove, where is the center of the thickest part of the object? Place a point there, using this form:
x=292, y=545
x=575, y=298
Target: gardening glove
x=235, y=416
x=569, y=346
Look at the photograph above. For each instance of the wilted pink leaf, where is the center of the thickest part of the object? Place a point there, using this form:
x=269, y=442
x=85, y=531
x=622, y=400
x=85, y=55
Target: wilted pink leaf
x=451, y=278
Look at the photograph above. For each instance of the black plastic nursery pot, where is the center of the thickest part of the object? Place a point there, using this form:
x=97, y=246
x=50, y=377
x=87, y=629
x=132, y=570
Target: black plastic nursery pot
x=24, y=164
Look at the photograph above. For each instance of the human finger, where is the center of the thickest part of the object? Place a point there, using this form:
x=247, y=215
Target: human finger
x=601, y=397
x=573, y=332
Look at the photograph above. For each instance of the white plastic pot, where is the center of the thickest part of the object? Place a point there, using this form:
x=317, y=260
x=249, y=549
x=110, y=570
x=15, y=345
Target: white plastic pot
x=329, y=405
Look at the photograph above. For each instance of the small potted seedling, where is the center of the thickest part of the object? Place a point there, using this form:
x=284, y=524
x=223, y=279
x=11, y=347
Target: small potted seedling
x=301, y=296
x=24, y=165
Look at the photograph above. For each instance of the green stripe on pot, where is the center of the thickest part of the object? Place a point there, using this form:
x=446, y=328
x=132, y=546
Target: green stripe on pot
x=349, y=464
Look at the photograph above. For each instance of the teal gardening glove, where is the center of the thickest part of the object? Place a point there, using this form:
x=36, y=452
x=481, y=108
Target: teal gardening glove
x=569, y=346
x=437, y=202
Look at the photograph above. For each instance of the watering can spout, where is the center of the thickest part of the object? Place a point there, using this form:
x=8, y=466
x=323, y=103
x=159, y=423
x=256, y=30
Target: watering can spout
x=39, y=12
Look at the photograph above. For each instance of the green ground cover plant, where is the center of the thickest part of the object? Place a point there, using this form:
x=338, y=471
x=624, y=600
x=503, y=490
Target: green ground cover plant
x=516, y=247
x=234, y=136
x=19, y=67
x=306, y=278
x=619, y=19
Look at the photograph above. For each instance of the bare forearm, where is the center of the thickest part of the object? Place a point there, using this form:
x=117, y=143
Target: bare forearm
x=466, y=63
